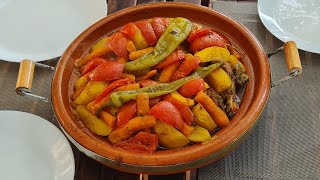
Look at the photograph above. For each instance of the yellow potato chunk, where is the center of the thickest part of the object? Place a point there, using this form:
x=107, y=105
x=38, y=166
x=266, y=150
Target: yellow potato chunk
x=203, y=118
x=92, y=122
x=199, y=134
x=213, y=53
x=83, y=80
x=169, y=136
x=233, y=61
x=185, y=101
x=219, y=80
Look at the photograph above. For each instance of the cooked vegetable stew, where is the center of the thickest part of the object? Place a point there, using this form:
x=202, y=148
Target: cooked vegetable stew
x=159, y=83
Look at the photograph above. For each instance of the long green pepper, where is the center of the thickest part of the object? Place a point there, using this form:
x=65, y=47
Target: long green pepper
x=177, y=31
x=119, y=98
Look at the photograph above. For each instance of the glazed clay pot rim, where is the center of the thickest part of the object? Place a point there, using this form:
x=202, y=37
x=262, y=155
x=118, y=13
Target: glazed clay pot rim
x=168, y=157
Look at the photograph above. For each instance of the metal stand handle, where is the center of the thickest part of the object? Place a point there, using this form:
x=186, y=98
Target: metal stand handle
x=25, y=78
x=293, y=61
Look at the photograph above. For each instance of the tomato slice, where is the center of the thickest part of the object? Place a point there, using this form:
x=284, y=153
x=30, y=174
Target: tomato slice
x=142, y=142
x=186, y=67
x=158, y=26
x=176, y=56
x=166, y=112
x=198, y=34
x=184, y=110
x=129, y=30
x=135, y=35
x=118, y=44
x=207, y=41
x=106, y=71
x=125, y=113
x=91, y=65
x=206, y=31
x=147, y=82
x=147, y=32
x=112, y=86
x=166, y=21
x=187, y=115
x=191, y=88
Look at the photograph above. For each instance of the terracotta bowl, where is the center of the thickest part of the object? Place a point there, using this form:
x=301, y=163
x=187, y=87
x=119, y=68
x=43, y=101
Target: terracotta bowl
x=174, y=160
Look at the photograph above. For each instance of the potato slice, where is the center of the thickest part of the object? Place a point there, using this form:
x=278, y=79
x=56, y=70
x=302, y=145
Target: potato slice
x=213, y=53
x=82, y=81
x=169, y=136
x=199, y=134
x=233, y=61
x=219, y=80
x=203, y=118
x=90, y=92
x=184, y=100
x=92, y=122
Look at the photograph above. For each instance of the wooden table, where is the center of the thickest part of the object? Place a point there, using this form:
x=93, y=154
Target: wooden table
x=89, y=169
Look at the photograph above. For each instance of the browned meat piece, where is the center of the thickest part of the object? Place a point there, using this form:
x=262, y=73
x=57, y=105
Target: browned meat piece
x=241, y=77
x=215, y=97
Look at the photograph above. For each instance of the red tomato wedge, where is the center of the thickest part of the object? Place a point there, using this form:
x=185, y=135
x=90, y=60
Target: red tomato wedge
x=206, y=31
x=191, y=88
x=198, y=34
x=158, y=26
x=125, y=113
x=176, y=56
x=112, y=86
x=166, y=21
x=142, y=142
x=166, y=112
x=147, y=32
x=106, y=71
x=207, y=41
x=187, y=115
x=184, y=110
x=129, y=29
x=147, y=82
x=91, y=65
x=118, y=44
x=186, y=68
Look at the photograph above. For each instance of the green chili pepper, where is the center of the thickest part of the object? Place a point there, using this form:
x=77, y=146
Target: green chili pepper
x=177, y=31
x=119, y=98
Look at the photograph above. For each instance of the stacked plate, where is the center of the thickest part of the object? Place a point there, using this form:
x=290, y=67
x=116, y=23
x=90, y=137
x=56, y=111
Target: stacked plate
x=33, y=148
x=42, y=29
x=297, y=20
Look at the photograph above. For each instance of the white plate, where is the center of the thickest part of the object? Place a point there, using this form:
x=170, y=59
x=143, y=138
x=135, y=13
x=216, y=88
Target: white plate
x=31, y=148
x=42, y=29
x=297, y=20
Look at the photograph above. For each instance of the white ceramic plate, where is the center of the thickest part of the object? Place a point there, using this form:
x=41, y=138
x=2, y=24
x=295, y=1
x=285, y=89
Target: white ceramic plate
x=31, y=148
x=297, y=20
x=42, y=29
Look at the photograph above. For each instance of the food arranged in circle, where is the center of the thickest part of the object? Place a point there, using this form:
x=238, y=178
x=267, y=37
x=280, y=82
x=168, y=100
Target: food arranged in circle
x=159, y=83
